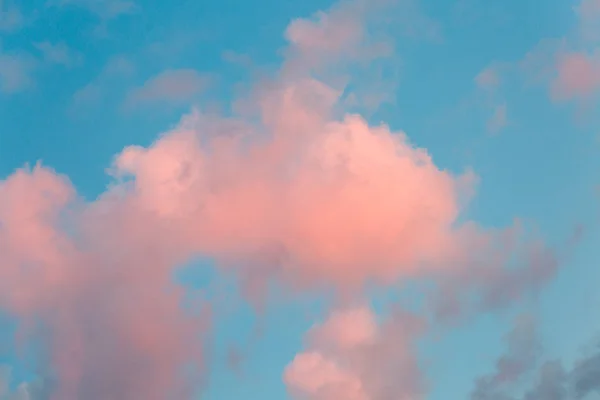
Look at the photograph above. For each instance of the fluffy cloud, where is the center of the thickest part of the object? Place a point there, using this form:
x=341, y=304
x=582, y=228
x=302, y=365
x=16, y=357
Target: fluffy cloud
x=354, y=356
x=111, y=315
x=297, y=191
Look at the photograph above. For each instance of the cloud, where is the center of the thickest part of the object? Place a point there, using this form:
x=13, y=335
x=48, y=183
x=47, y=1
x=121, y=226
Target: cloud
x=353, y=356
x=551, y=383
x=489, y=82
x=586, y=375
x=15, y=72
x=292, y=190
x=499, y=119
x=94, y=91
x=513, y=265
x=488, y=79
x=333, y=32
x=589, y=9
x=23, y=391
x=566, y=65
x=59, y=53
x=11, y=18
x=522, y=353
x=232, y=57
x=588, y=12
x=176, y=86
x=105, y=9
x=578, y=76
x=111, y=315
x=519, y=366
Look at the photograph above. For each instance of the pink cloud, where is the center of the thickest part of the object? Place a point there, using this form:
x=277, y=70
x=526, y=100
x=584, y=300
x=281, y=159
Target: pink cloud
x=335, y=31
x=354, y=356
x=298, y=192
x=304, y=191
x=588, y=9
x=578, y=76
x=114, y=320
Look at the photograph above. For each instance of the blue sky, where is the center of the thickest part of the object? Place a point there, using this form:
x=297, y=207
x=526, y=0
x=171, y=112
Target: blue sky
x=80, y=80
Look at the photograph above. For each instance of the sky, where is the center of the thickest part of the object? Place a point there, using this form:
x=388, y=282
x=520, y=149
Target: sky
x=316, y=200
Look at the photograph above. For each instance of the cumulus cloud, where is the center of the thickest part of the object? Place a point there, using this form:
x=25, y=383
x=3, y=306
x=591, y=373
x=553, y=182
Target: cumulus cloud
x=294, y=190
x=111, y=315
x=354, y=356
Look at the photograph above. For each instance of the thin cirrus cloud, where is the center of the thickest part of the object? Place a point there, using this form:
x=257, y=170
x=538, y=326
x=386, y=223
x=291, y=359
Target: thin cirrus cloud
x=117, y=68
x=489, y=82
x=17, y=69
x=499, y=118
x=175, y=86
x=284, y=195
x=353, y=356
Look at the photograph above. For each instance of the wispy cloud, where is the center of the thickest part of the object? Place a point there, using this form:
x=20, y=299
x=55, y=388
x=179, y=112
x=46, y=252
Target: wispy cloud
x=104, y=9
x=59, y=53
x=499, y=119
x=117, y=67
x=23, y=391
x=15, y=72
x=175, y=86
x=11, y=18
